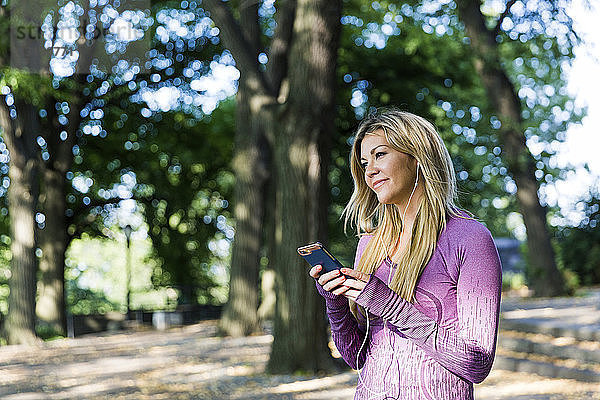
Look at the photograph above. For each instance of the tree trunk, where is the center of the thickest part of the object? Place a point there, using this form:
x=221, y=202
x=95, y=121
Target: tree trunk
x=299, y=328
x=53, y=242
x=249, y=165
x=240, y=316
x=305, y=120
x=547, y=280
x=268, y=298
x=20, y=138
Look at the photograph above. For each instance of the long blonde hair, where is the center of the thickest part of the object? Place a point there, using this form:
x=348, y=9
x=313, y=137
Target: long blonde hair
x=417, y=137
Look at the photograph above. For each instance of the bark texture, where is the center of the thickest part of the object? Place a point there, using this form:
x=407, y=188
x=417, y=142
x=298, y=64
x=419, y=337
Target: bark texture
x=301, y=201
x=548, y=281
x=240, y=316
x=54, y=240
x=20, y=137
x=50, y=307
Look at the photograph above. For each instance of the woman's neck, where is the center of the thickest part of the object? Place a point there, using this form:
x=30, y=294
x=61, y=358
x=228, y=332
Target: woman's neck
x=408, y=211
x=409, y=208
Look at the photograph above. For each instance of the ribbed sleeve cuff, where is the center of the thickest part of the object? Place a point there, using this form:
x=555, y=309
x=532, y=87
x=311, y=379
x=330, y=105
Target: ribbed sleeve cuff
x=332, y=301
x=379, y=299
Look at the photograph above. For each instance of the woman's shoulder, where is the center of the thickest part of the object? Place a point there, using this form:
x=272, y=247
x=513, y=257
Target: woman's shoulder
x=463, y=225
x=467, y=238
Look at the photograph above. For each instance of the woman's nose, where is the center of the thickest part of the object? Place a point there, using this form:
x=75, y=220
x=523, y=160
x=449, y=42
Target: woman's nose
x=371, y=170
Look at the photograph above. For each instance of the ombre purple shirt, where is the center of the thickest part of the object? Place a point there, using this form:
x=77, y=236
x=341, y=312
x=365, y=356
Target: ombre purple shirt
x=438, y=346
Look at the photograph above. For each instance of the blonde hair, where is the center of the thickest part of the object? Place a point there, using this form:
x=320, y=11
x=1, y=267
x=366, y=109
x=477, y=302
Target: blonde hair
x=413, y=135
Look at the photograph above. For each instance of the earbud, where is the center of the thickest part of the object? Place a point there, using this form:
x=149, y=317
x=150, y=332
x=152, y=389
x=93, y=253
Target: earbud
x=417, y=179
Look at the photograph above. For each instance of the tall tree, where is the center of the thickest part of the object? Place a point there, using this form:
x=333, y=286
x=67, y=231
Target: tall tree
x=250, y=166
x=20, y=134
x=257, y=90
x=63, y=107
x=293, y=101
x=304, y=129
x=547, y=281
x=71, y=101
x=19, y=121
x=54, y=240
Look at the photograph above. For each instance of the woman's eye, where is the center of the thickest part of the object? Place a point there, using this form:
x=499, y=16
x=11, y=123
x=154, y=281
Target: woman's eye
x=379, y=154
x=363, y=165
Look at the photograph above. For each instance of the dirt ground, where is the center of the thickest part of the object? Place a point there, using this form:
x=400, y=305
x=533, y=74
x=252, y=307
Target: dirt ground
x=193, y=363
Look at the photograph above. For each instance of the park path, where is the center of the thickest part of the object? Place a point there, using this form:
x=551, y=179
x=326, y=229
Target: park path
x=192, y=362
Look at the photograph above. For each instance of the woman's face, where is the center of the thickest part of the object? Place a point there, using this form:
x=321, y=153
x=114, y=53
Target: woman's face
x=390, y=173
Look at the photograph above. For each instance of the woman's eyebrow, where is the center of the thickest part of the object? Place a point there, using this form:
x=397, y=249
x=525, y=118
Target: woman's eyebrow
x=373, y=150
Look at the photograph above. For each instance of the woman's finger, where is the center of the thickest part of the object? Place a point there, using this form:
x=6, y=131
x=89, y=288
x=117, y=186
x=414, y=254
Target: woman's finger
x=332, y=284
x=314, y=271
x=361, y=276
x=355, y=284
x=352, y=294
x=326, y=277
x=340, y=290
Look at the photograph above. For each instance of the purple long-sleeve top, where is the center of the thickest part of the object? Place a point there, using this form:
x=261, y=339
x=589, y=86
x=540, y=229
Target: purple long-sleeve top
x=439, y=345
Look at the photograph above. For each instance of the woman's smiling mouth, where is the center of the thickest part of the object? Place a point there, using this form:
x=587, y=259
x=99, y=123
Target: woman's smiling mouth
x=378, y=183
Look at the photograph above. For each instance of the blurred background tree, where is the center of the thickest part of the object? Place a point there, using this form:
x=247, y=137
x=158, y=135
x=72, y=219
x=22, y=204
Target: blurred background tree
x=579, y=246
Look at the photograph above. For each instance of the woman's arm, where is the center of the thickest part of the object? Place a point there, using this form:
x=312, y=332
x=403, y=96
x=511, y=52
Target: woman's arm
x=345, y=330
x=469, y=350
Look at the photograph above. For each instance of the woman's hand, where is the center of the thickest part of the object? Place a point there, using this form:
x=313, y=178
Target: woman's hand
x=355, y=282
x=330, y=281
x=347, y=281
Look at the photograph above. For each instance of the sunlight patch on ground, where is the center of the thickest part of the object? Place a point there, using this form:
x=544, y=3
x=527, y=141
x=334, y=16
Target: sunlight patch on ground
x=313, y=384
x=543, y=386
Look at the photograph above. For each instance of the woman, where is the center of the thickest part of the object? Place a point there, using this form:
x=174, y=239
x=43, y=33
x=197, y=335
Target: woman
x=418, y=315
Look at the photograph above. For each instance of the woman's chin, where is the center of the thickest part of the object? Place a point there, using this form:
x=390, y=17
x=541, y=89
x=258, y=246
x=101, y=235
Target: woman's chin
x=384, y=200
x=387, y=199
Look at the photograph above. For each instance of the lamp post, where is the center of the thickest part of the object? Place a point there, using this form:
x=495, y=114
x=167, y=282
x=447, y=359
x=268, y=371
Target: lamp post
x=128, y=230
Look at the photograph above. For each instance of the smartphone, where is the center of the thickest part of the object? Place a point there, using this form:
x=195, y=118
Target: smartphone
x=316, y=253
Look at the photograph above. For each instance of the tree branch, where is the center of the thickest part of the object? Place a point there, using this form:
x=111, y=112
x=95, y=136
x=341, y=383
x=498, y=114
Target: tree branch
x=82, y=210
x=278, y=60
x=248, y=10
x=235, y=40
x=97, y=203
x=496, y=30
